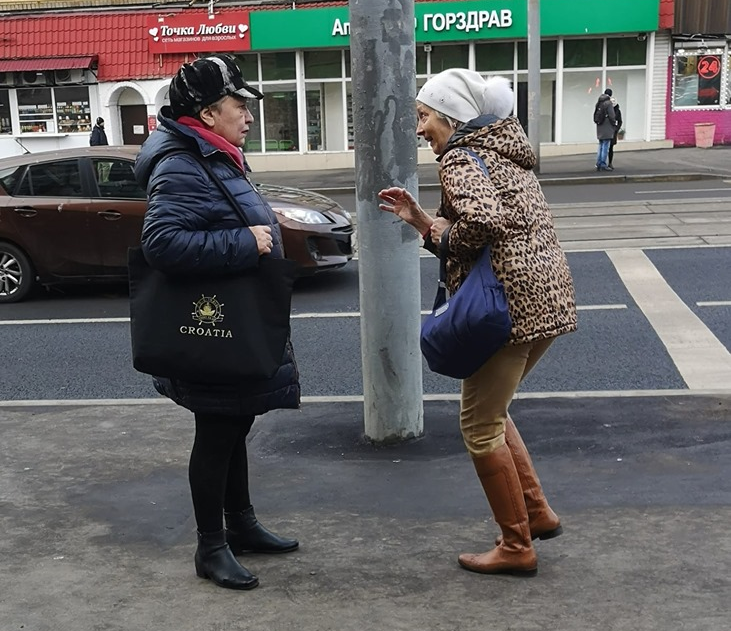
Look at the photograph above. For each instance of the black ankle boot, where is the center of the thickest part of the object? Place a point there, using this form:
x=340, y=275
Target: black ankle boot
x=214, y=560
x=245, y=534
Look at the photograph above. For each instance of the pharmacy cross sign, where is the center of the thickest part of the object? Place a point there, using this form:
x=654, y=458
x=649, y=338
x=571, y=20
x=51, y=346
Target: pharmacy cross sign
x=199, y=32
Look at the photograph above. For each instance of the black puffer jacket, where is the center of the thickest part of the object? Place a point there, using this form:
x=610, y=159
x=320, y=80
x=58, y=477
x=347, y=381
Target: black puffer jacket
x=190, y=226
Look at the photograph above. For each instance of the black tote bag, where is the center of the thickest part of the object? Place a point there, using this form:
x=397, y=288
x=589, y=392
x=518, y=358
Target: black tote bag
x=212, y=328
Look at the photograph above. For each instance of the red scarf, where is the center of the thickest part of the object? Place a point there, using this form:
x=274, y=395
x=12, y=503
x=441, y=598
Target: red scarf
x=217, y=141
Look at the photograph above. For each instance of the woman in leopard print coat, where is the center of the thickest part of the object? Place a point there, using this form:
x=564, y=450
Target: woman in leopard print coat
x=505, y=209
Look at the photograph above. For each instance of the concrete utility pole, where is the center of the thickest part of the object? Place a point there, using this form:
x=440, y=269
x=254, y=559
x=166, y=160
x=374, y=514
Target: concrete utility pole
x=384, y=125
x=534, y=78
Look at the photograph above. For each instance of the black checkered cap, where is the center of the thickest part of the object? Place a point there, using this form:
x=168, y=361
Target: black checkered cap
x=205, y=81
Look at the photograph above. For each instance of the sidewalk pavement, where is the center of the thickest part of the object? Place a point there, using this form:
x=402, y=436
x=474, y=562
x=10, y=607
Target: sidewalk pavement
x=678, y=164
x=98, y=533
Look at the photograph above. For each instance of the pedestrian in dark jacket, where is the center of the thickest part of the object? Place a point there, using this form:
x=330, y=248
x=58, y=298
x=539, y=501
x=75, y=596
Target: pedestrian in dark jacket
x=190, y=227
x=98, y=135
x=605, y=126
x=617, y=125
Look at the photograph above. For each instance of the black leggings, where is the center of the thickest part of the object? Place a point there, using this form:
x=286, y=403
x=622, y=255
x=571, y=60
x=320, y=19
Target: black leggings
x=219, y=470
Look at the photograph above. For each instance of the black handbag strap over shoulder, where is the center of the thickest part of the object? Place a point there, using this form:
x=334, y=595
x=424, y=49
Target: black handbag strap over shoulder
x=224, y=189
x=444, y=241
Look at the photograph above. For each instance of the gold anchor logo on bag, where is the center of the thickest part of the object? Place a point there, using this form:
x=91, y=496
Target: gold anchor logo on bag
x=207, y=310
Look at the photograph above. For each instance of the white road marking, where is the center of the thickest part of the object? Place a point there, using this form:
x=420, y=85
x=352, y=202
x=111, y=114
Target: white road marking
x=714, y=303
x=65, y=321
x=295, y=316
x=685, y=190
x=450, y=396
x=699, y=356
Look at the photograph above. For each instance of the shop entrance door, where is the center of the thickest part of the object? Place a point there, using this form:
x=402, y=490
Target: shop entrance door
x=134, y=124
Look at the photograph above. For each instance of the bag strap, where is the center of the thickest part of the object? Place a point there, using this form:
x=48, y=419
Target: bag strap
x=224, y=189
x=217, y=181
x=444, y=241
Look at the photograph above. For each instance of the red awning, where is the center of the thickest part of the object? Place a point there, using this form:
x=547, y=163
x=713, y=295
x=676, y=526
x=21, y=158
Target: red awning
x=46, y=63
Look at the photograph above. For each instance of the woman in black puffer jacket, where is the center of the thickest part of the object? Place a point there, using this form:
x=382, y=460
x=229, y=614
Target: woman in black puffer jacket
x=190, y=226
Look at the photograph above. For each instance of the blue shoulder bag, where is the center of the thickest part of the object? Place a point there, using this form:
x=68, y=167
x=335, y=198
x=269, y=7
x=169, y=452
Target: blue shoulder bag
x=463, y=331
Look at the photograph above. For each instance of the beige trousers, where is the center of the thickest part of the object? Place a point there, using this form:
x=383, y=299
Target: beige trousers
x=487, y=394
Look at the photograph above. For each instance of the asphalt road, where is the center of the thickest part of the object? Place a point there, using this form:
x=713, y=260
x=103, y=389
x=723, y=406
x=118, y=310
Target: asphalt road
x=615, y=349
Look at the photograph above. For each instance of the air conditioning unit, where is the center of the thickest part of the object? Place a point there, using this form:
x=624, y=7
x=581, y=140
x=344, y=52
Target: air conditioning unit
x=74, y=75
x=31, y=77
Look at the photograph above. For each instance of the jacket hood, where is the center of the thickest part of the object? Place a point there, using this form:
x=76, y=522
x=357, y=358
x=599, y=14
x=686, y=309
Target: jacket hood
x=169, y=136
x=603, y=98
x=504, y=136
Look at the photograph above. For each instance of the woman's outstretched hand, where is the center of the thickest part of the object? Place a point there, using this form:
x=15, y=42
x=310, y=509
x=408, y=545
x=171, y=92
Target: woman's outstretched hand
x=403, y=204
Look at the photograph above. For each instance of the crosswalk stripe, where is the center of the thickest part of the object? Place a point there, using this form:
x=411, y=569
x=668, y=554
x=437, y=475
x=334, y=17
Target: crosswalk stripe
x=701, y=359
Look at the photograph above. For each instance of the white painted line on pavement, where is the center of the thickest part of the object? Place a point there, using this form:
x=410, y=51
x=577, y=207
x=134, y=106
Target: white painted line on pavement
x=699, y=356
x=577, y=394
x=714, y=303
x=295, y=316
x=66, y=321
x=600, y=307
x=685, y=190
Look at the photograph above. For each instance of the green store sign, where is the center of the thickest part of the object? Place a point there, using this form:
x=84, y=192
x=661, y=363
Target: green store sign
x=457, y=21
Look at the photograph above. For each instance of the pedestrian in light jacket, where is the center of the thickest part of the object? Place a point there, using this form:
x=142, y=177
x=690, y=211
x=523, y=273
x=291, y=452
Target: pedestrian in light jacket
x=461, y=114
x=191, y=228
x=605, y=122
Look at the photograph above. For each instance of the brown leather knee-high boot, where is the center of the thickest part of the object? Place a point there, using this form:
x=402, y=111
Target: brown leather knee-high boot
x=544, y=523
x=515, y=554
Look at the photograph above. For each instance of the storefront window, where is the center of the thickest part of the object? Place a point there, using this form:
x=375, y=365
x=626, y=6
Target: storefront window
x=548, y=105
x=580, y=93
x=249, y=65
x=582, y=53
x=6, y=126
x=325, y=116
x=450, y=56
x=626, y=51
x=420, y=60
x=323, y=64
x=277, y=66
x=35, y=109
x=314, y=120
x=253, y=137
x=628, y=88
x=697, y=80
x=72, y=109
x=280, y=119
x=548, y=55
x=494, y=57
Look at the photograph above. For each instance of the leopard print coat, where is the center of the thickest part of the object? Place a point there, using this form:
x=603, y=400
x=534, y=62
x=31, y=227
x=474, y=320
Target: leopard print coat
x=507, y=210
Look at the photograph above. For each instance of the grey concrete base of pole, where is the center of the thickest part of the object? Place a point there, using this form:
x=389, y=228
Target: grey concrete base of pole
x=384, y=124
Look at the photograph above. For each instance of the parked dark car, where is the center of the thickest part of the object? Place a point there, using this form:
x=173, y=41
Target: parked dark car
x=70, y=216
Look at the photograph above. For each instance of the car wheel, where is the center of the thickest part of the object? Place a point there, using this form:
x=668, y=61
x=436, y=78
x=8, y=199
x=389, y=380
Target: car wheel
x=16, y=274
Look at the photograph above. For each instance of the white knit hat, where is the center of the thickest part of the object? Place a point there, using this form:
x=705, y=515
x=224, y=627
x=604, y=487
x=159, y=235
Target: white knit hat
x=463, y=95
